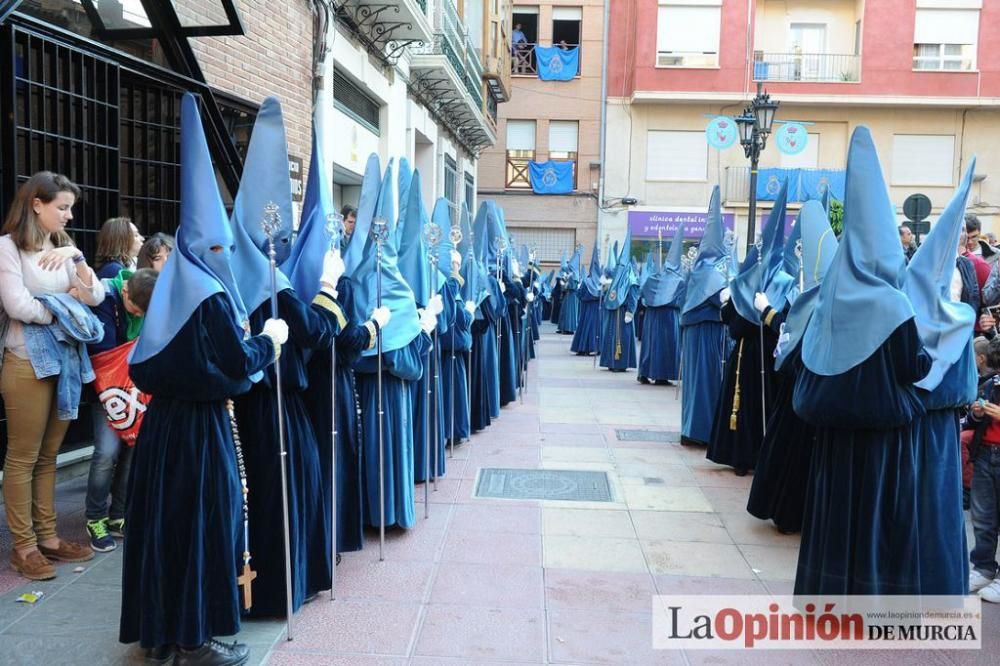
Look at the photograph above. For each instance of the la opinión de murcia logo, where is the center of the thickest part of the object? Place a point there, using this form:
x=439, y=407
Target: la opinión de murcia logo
x=122, y=407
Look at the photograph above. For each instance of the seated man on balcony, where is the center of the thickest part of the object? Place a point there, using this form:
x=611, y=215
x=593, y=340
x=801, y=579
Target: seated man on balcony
x=520, y=50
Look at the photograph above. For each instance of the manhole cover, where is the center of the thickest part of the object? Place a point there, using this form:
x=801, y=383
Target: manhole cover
x=544, y=484
x=647, y=436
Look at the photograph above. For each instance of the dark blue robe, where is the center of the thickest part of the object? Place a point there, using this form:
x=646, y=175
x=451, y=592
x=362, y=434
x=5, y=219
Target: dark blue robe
x=184, y=513
x=485, y=374
x=660, y=352
x=556, y=303
x=781, y=477
x=873, y=520
x=399, y=368
x=351, y=341
x=704, y=346
x=587, y=338
x=310, y=327
x=455, y=344
x=569, y=310
x=738, y=444
x=618, y=336
x=510, y=335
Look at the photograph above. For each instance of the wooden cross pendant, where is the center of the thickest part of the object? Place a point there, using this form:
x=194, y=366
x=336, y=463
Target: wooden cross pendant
x=245, y=580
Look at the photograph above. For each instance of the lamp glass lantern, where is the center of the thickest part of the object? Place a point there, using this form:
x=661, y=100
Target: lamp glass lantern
x=745, y=124
x=764, y=110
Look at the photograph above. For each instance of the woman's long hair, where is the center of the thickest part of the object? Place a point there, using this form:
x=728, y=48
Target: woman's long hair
x=22, y=223
x=114, y=242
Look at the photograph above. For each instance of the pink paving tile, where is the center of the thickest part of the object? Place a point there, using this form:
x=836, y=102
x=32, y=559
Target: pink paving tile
x=497, y=519
x=491, y=585
x=482, y=633
x=682, y=585
x=442, y=661
x=576, y=439
x=446, y=493
x=752, y=657
x=888, y=657
x=391, y=580
x=371, y=628
x=780, y=587
x=601, y=637
x=722, y=477
x=487, y=548
x=494, y=456
x=291, y=658
x=570, y=428
x=415, y=544
x=592, y=590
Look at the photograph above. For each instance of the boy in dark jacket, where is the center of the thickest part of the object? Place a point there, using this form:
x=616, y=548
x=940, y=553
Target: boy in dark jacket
x=984, y=452
x=122, y=311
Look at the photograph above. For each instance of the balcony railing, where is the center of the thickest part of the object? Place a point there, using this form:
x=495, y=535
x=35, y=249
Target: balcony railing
x=808, y=67
x=523, y=61
x=517, y=169
x=473, y=72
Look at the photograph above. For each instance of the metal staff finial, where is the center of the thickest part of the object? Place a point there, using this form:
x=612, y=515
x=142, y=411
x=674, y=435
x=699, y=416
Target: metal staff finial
x=802, y=271
x=335, y=230
x=432, y=238
x=380, y=234
x=759, y=244
x=455, y=236
x=270, y=224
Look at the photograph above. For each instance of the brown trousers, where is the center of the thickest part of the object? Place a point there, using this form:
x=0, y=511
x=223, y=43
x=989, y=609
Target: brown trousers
x=34, y=435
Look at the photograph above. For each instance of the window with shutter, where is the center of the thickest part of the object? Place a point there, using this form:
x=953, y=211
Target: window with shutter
x=945, y=39
x=687, y=34
x=563, y=138
x=923, y=159
x=520, y=151
x=676, y=155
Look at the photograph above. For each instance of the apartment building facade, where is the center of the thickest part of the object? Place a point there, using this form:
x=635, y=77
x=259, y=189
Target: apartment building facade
x=551, y=117
x=921, y=74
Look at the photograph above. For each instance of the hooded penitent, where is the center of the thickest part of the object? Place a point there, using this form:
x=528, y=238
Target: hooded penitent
x=761, y=269
x=668, y=286
x=708, y=275
x=624, y=277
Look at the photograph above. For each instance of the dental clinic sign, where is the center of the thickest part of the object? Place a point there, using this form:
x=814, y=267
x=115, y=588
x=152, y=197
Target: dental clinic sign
x=650, y=224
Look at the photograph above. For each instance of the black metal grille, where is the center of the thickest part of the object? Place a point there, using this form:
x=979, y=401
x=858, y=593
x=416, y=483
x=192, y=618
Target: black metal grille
x=351, y=99
x=450, y=179
x=470, y=191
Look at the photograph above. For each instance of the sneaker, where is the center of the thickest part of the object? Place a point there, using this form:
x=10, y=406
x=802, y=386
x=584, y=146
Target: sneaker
x=67, y=552
x=33, y=566
x=116, y=528
x=991, y=592
x=977, y=581
x=213, y=653
x=100, y=540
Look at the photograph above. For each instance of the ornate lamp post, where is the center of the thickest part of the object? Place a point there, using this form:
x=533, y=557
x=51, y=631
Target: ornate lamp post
x=755, y=126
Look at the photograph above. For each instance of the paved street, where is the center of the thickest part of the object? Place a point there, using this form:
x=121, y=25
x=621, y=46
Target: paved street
x=496, y=580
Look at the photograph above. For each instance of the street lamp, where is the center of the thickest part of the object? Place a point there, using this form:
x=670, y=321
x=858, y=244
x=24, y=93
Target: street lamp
x=755, y=126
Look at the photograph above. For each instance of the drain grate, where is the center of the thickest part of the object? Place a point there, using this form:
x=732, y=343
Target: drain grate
x=647, y=436
x=544, y=484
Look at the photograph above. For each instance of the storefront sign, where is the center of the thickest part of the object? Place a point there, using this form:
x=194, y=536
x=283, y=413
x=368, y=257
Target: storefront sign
x=650, y=224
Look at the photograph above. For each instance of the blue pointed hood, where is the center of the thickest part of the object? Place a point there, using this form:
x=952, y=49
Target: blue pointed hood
x=668, y=286
x=574, y=264
x=648, y=268
x=774, y=281
x=467, y=244
x=819, y=246
x=708, y=275
x=194, y=273
x=304, y=265
x=790, y=261
x=413, y=260
x=404, y=176
x=265, y=181
x=361, y=242
x=866, y=275
x=745, y=285
x=441, y=216
x=404, y=326
x=593, y=279
x=945, y=326
x=624, y=276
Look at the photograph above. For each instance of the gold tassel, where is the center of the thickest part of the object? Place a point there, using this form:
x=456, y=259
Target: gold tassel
x=618, y=337
x=736, y=391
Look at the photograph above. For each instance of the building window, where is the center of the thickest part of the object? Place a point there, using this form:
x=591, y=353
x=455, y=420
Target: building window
x=547, y=244
x=566, y=27
x=945, y=39
x=470, y=191
x=563, y=146
x=351, y=100
x=450, y=179
x=520, y=151
x=687, y=33
x=807, y=159
x=673, y=155
x=523, y=39
x=923, y=159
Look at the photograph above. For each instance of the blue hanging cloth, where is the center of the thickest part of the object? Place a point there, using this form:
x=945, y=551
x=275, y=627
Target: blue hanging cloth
x=819, y=245
x=668, y=285
x=194, y=272
x=866, y=275
x=817, y=183
x=944, y=325
x=556, y=63
x=552, y=177
x=709, y=274
x=304, y=265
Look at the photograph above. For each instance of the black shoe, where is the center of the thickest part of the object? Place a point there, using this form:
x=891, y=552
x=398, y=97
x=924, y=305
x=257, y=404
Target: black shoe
x=338, y=560
x=160, y=655
x=642, y=380
x=687, y=441
x=214, y=653
x=740, y=471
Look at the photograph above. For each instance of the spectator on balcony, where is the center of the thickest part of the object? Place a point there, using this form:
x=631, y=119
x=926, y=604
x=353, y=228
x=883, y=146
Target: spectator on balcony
x=977, y=245
x=906, y=240
x=519, y=50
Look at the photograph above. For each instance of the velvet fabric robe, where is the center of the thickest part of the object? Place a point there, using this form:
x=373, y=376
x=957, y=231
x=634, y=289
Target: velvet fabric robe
x=184, y=513
x=617, y=341
x=660, y=351
x=569, y=310
x=704, y=347
x=455, y=346
x=587, y=338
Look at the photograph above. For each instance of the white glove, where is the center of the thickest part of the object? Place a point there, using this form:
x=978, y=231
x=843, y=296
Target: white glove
x=530, y=297
x=428, y=321
x=515, y=266
x=605, y=280
x=503, y=288
x=436, y=305
x=724, y=296
x=628, y=317
x=456, y=260
x=760, y=302
x=277, y=330
x=381, y=316
x=470, y=307
x=333, y=269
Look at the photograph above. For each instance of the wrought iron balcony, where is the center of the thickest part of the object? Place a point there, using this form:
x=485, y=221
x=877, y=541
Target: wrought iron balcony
x=807, y=67
x=386, y=27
